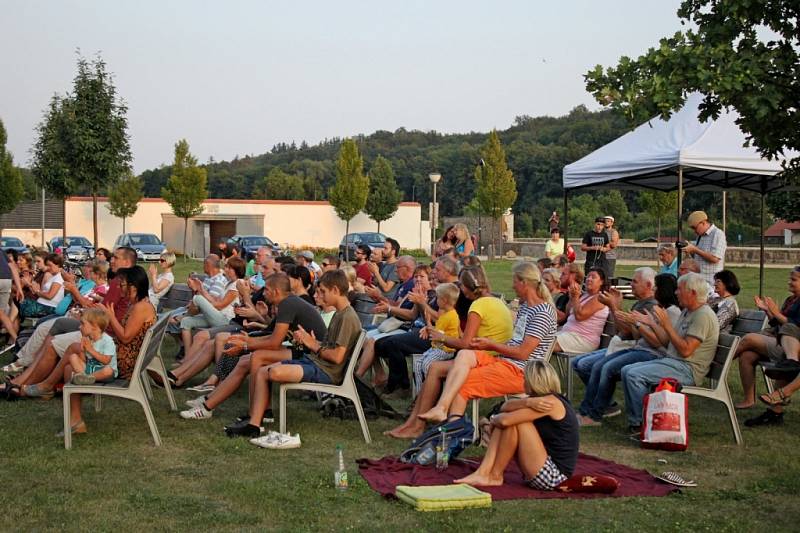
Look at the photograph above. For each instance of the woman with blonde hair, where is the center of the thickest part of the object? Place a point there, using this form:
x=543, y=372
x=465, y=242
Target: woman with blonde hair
x=542, y=431
x=490, y=369
x=463, y=245
x=160, y=284
x=488, y=317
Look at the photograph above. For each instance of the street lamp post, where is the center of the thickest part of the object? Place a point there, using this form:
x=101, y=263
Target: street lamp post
x=434, y=211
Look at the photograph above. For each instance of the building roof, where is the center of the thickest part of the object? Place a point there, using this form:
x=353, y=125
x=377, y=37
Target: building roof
x=776, y=230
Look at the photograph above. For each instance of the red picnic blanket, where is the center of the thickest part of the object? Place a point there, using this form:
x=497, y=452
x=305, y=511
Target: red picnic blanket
x=383, y=475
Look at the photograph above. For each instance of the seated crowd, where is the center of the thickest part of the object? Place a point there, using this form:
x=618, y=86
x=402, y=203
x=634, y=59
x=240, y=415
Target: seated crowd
x=287, y=320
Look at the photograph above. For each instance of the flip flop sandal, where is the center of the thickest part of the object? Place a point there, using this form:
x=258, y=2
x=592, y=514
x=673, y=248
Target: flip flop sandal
x=674, y=479
x=767, y=399
x=9, y=393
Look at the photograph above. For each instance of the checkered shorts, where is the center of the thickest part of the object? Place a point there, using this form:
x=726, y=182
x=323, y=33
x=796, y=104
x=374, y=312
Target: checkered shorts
x=548, y=478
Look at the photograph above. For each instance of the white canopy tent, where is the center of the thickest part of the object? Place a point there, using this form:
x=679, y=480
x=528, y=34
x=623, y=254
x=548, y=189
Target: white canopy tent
x=679, y=153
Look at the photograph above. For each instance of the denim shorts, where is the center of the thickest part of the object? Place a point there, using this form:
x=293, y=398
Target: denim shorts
x=311, y=372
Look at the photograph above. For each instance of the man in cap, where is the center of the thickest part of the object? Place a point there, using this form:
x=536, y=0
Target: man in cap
x=613, y=242
x=595, y=244
x=306, y=259
x=709, y=248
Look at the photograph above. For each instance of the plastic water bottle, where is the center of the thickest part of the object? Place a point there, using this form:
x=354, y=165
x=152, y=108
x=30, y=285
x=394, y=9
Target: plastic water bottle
x=340, y=473
x=426, y=456
x=442, y=451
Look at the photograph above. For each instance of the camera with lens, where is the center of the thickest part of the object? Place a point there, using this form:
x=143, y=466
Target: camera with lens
x=680, y=245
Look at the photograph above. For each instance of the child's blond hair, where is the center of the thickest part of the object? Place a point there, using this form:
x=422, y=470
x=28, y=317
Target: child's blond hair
x=448, y=292
x=95, y=317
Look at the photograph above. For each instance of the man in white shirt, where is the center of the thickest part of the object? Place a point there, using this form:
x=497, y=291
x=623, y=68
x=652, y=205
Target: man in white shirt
x=709, y=248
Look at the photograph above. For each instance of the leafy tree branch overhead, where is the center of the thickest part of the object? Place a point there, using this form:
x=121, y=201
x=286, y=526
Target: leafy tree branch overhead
x=743, y=54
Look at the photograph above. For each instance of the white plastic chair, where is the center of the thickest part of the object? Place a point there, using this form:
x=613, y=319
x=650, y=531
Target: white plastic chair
x=346, y=390
x=718, y=376
x=135, y=389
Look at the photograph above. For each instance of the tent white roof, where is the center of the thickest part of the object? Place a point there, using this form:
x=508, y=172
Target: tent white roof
x=712, y=154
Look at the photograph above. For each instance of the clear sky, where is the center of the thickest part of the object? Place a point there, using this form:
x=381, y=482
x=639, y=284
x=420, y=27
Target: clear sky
x=236, y=77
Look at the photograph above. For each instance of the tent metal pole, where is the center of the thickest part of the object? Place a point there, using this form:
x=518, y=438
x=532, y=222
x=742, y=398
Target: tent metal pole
x=680, y=213
x=725, y=212
x=565, y=227
x=761, y=250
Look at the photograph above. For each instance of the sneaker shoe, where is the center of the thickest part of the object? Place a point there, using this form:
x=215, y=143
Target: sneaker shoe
x=203, y=387
x=268, y=418
x=264, y=439
x=283, y=441
x=198, y=413
x=585, y=421
x=675, y=479
x=197, y=402
x=83, y=379
x=611, y=411
x=767, y=418
x=249, y=431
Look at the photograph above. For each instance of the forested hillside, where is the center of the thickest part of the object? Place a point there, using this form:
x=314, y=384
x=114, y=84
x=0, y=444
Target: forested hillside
x=537, y=150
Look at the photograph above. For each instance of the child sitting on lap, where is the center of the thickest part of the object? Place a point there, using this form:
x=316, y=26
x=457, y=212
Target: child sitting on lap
x=542, y=431
x=95, y=358
x=447, y=323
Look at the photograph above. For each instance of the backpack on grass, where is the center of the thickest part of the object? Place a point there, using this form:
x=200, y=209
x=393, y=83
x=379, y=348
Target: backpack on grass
x=459, y=431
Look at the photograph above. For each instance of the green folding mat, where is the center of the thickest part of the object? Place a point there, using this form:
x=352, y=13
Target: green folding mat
x=443, y=497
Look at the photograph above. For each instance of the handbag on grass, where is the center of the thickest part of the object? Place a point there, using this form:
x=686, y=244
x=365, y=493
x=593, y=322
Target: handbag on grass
x=666, y=418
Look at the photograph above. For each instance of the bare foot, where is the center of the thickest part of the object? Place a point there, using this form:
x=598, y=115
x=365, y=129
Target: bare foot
x=411, y=432
x=478, y=479
x=744, y=405
x=436, y=414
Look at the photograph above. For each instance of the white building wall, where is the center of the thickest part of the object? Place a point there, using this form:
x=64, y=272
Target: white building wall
x=293, y=223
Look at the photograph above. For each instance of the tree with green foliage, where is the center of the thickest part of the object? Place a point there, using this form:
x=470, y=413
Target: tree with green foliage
x=348, y=196
x=124, y=196
x=496, y=187
x=51, y=160
x=742, y=54
x=278, y=185
x=10, y=178
x=659, y=205
x=186, y=188
x=384, y=196
x=99, y=151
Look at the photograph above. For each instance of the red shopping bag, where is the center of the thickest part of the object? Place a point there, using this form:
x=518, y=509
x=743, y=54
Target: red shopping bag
x=570, y=253
x=666, y=418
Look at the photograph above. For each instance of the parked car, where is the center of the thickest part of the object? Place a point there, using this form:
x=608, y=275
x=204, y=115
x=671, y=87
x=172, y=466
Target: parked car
x=370, y=238
x=148, y=247
x=78, y=249
x=251, y=244
x=12, y=243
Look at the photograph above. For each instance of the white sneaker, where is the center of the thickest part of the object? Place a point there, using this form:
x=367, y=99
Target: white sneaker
x=283, y=441
x=198, y=413
x=197, y=402
x=264, y=439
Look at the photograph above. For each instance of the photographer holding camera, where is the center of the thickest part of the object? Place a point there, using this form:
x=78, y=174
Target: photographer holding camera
x=709, y=248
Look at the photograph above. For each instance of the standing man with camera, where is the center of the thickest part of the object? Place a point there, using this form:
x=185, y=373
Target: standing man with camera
x=709, y=248
x=596, y=243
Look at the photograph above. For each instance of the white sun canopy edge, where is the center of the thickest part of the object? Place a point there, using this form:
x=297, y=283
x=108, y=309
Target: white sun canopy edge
x=712, y=155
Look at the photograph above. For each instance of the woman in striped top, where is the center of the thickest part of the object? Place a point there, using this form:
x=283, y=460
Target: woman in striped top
x=490, y=369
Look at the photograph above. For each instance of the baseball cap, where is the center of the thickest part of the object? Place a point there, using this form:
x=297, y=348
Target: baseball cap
x=696, y=217
x=307, y=254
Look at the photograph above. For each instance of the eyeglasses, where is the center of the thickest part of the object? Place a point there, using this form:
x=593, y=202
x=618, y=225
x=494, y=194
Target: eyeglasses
x=162, y=260
x=326, y=264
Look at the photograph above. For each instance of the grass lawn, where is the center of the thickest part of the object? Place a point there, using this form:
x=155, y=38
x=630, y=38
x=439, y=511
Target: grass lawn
x=200, y=480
